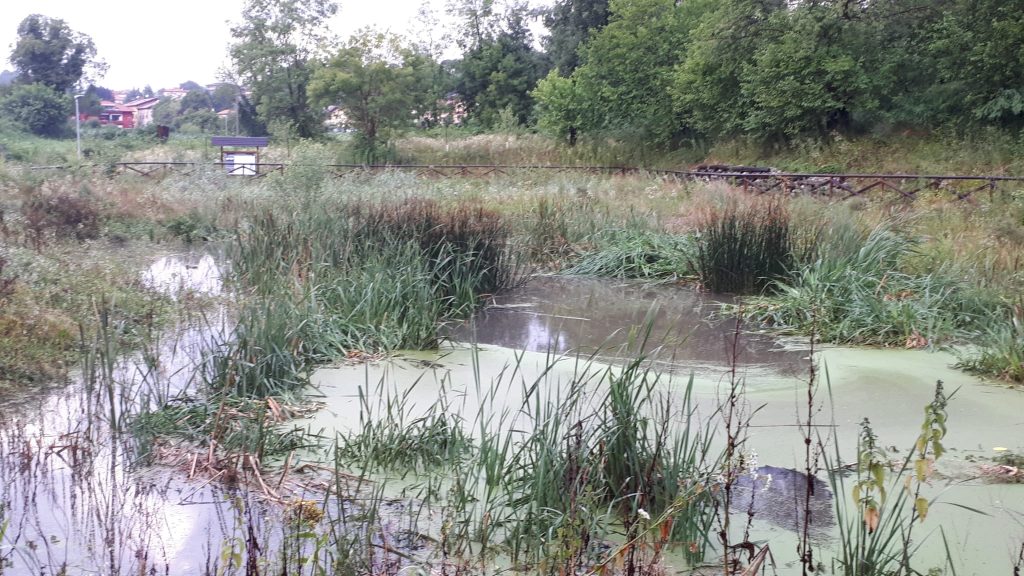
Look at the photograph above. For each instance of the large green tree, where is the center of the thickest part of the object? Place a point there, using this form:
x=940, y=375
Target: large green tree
x=500, y=67
x=570, y=23
x=977, y=47
x=623, y=85
x=275, y=49
x=380, y=83
x=48, y=52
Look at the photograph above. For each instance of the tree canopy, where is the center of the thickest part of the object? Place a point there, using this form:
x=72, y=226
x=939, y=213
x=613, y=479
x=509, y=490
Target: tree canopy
x=275, y=50
x=36, y=108
x=380, y=83
x=500, y=66
x=778, y=70
x=49, y=52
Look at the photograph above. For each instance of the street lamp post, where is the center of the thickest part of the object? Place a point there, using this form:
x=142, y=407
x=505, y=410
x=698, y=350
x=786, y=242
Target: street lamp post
x=78, y=127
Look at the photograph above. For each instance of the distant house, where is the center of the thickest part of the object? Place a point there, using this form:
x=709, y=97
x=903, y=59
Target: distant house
x=143, y=110
x=134, y=114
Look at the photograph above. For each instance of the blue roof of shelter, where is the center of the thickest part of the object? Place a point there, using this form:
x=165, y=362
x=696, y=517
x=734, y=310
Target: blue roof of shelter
x=251, y=141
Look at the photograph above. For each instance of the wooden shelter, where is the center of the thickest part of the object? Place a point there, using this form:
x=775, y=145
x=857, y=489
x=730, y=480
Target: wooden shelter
x=240, y=155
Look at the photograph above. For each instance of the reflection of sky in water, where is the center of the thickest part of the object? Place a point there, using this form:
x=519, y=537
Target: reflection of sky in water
x=571, y=314
x=67, y=479
x=177, y=274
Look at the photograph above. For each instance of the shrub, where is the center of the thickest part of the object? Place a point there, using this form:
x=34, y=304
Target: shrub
x=63, y=214
x=36, y=108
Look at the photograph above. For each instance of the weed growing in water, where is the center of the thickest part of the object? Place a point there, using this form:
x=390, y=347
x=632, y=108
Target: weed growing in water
x=636, y=253
x=1002, y=349
x=862, y=297
x=876, y=539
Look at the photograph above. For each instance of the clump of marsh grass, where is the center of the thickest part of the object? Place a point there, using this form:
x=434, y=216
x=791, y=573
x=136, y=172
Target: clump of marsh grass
x=862, y=297
x=743, y=250
x=637, y=253
x=1001, y=352
x=389, y=440
x=596, y=471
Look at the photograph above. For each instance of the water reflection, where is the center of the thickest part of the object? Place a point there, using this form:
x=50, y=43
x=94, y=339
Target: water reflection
x=178, y=274
x=72, y=497
x=562, y=314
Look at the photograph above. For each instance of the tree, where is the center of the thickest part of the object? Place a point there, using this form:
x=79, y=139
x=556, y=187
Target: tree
x=37, y=108
x=135, y=93
x=224, y=97
x=49, y=52
x=623, y=85
x=978, y=51
x=570, y=23
x=708, y=82
x=196, y=100
x=559, y=106
x=807, y=81
x=275, y=46
x=500, y=68
x=92, y=101
x=379, y=83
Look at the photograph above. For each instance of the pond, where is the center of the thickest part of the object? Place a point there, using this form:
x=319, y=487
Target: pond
x=73, y=495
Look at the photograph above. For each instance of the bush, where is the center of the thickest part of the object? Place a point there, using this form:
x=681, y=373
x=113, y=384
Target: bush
x=37, y=109
x=63, y=214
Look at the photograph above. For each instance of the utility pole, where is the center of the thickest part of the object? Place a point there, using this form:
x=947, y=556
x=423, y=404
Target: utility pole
x=78, y=127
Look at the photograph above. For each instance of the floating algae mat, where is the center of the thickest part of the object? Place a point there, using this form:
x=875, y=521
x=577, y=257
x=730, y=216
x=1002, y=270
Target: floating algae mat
x=563, y=330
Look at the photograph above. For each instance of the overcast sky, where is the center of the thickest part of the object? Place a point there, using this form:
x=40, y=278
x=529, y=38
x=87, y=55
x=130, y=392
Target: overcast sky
x=166, y=43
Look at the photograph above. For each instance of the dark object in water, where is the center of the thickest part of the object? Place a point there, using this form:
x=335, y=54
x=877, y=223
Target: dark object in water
x=778, y=495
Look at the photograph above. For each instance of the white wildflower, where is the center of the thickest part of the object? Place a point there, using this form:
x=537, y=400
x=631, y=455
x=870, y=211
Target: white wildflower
x=643, y=514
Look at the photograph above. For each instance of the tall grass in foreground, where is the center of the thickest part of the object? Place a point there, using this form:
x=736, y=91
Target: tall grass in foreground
x=603, y=458
x=876, y=536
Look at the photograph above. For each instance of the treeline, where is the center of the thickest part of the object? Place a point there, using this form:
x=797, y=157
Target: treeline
x=661, y=73
x=667, y=71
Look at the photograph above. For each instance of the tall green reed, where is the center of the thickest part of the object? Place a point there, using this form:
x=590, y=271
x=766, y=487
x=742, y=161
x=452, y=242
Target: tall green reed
x=743, y=250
